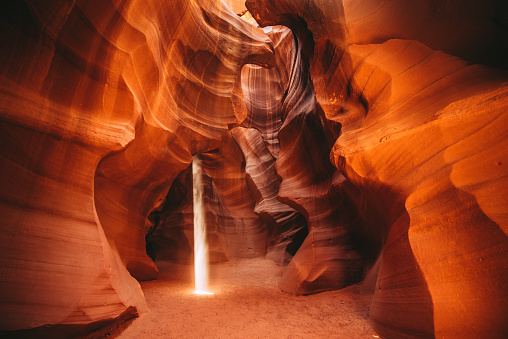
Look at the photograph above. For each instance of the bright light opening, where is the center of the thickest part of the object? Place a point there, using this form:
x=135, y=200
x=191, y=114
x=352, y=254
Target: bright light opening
x=200, y=245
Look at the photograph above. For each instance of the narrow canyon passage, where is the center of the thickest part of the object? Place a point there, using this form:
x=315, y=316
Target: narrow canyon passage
x=247, y=304
x=354, y=158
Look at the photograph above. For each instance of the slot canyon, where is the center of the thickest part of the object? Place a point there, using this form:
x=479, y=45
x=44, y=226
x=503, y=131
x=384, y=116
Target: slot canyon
x=354, y=161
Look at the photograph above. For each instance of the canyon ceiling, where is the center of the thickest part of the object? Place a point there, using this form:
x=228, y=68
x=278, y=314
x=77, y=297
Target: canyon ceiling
x=340, y=138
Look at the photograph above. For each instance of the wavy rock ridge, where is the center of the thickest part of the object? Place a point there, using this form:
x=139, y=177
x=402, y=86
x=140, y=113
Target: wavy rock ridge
x=103, y=105
x=421, y=139
x=370, y=139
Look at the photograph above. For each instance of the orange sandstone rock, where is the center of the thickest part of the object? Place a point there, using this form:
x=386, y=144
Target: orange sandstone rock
x=102, y=105
x=379, y=133
x=421, y=138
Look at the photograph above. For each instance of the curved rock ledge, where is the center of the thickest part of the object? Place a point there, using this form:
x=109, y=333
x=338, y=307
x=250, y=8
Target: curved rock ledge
x=344, y=139
x=422, y=135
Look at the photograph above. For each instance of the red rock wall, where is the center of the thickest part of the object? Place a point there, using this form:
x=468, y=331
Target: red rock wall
x=171, y=224
x=102, y=105
x=244, y=217
x=379, y=134
x=242, y=232
x=421, y=138
x=258, y=138
x=328, y=259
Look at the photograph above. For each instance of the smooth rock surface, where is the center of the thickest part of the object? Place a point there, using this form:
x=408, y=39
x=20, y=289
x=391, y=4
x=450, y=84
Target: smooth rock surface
x=102, y=105
x=421, y=138
x=367, y=142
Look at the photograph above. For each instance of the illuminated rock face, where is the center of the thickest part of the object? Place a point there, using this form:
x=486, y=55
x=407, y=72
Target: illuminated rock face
x=378, y=134
x=244, y=217
x=103, y=104
x=423, y=140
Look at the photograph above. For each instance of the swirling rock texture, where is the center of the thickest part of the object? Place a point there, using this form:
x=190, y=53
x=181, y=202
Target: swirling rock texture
x=378, y=135
x=264, y=93
x=103, y=104
x=285, y=226
x=423, y=140
x=244, y=217
x=329, y=257
x=242, y=232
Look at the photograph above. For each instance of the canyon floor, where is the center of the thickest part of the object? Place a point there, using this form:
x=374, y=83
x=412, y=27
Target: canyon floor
x=247, y=304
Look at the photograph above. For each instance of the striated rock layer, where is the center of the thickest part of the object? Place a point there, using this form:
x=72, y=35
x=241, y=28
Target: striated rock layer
x=242, y=232
x=258, y=138
x=102, y=105
x=378, y=135
x=330, y=257
x=422, y=138
x=244, y=217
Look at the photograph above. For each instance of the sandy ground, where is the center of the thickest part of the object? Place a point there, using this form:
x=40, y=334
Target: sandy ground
x=247, y=304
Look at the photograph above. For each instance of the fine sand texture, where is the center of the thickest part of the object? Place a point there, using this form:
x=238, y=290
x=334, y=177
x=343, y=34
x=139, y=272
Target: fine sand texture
x=247, y=304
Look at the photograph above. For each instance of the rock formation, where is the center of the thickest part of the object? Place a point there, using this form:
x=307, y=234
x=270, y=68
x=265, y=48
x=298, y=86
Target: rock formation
x=421, y=138
x=103, y=105
x=372, y=131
